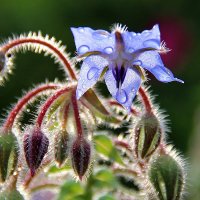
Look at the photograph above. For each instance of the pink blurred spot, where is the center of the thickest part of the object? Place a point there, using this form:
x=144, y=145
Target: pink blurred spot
x=178, y=37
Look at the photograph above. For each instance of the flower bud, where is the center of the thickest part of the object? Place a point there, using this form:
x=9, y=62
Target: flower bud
x=35, y=147
x=61, y=147
x=81, y=156
x=166, y=177
x=8, y=155
x=147, y=136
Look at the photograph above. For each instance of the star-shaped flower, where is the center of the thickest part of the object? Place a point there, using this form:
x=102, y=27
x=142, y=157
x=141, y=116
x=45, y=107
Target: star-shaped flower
x=125, y=54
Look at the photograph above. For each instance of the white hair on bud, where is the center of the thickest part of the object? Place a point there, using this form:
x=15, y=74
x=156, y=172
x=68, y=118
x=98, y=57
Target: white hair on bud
x=170, y=151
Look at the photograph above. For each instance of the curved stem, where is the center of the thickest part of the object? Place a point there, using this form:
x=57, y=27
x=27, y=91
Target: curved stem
x=49, y=102
x=145, y=99
x=64, y=115
x=44, y=186
x=41, y=41
x=133, y=110
x=22, y=102
x=123, y=144
x=117, y=170
x=76, y=115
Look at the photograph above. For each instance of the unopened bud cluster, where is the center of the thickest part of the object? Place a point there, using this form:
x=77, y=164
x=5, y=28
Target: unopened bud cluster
x=64, y=131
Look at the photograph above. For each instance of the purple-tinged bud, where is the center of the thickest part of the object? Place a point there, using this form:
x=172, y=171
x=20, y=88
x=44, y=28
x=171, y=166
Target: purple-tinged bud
x=147, y=136
x=81, y=156
x=9, y=152
x=61, y=147
x=35, y=147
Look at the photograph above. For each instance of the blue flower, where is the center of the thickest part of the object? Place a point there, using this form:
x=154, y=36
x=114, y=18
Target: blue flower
x=123, y=55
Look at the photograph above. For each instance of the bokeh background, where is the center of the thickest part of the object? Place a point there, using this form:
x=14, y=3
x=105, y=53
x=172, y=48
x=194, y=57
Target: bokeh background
x=179, y=22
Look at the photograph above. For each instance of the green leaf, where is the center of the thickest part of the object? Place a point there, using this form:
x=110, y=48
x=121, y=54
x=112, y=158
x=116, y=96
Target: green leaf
x=71, y=190
x=106, y=197
x=104, y=178
x=55, y=169
x=104, y=146
x=98, y=108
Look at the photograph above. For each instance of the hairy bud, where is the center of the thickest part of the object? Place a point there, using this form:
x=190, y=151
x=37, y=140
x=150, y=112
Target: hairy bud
x=35, y=147
x=166, y=177
x=147, y=136
x=81, y=156
x=61, y=147
x=8, y=155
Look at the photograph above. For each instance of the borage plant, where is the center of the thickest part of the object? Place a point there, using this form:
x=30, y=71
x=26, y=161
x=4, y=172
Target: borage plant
x=64, y=140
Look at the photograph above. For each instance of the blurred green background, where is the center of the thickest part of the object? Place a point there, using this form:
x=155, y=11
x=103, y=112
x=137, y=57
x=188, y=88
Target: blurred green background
x=179, y=22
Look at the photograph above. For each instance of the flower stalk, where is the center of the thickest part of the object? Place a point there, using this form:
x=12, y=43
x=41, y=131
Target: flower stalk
x=145, y=99
x=49, y=102
x=23, y=102
x=50, y=45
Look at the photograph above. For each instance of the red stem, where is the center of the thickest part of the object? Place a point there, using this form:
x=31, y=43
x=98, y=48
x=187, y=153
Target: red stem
x=77, y=116
x=122, y=144
x=133, y=111
x=65, y=115
x=20, y=41
x=146, y=100
x=22, y=102
x=48, y=103
x=125, y=171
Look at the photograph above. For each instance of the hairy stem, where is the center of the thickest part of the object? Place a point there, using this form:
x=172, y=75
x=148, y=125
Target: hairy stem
x=22, y=102
x=133, y=110
x=39, y=40
x=122, y=144
x=76, y=115
x=145, y=99
x=49, y=102
x=64, y=115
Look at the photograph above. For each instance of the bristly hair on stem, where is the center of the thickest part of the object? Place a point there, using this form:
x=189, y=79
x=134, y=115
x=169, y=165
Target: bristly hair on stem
x=37, y=43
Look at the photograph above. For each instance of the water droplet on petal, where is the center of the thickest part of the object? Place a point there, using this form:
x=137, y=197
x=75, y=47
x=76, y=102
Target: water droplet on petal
x=145, y=33
x=83, y=49
x=100, y=34
x=84, y=86
x=131, y=50
x=121, y=96
x=137, y=62
x=133, y=33
x=108, y=50
x=92, y=73
x=151, y=43
x=81, y=30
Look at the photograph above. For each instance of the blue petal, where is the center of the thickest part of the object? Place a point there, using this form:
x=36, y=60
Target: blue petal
x=91, y=69
x=87, y=39
x=151, y=61
x=128, y=90
x=148, y=38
